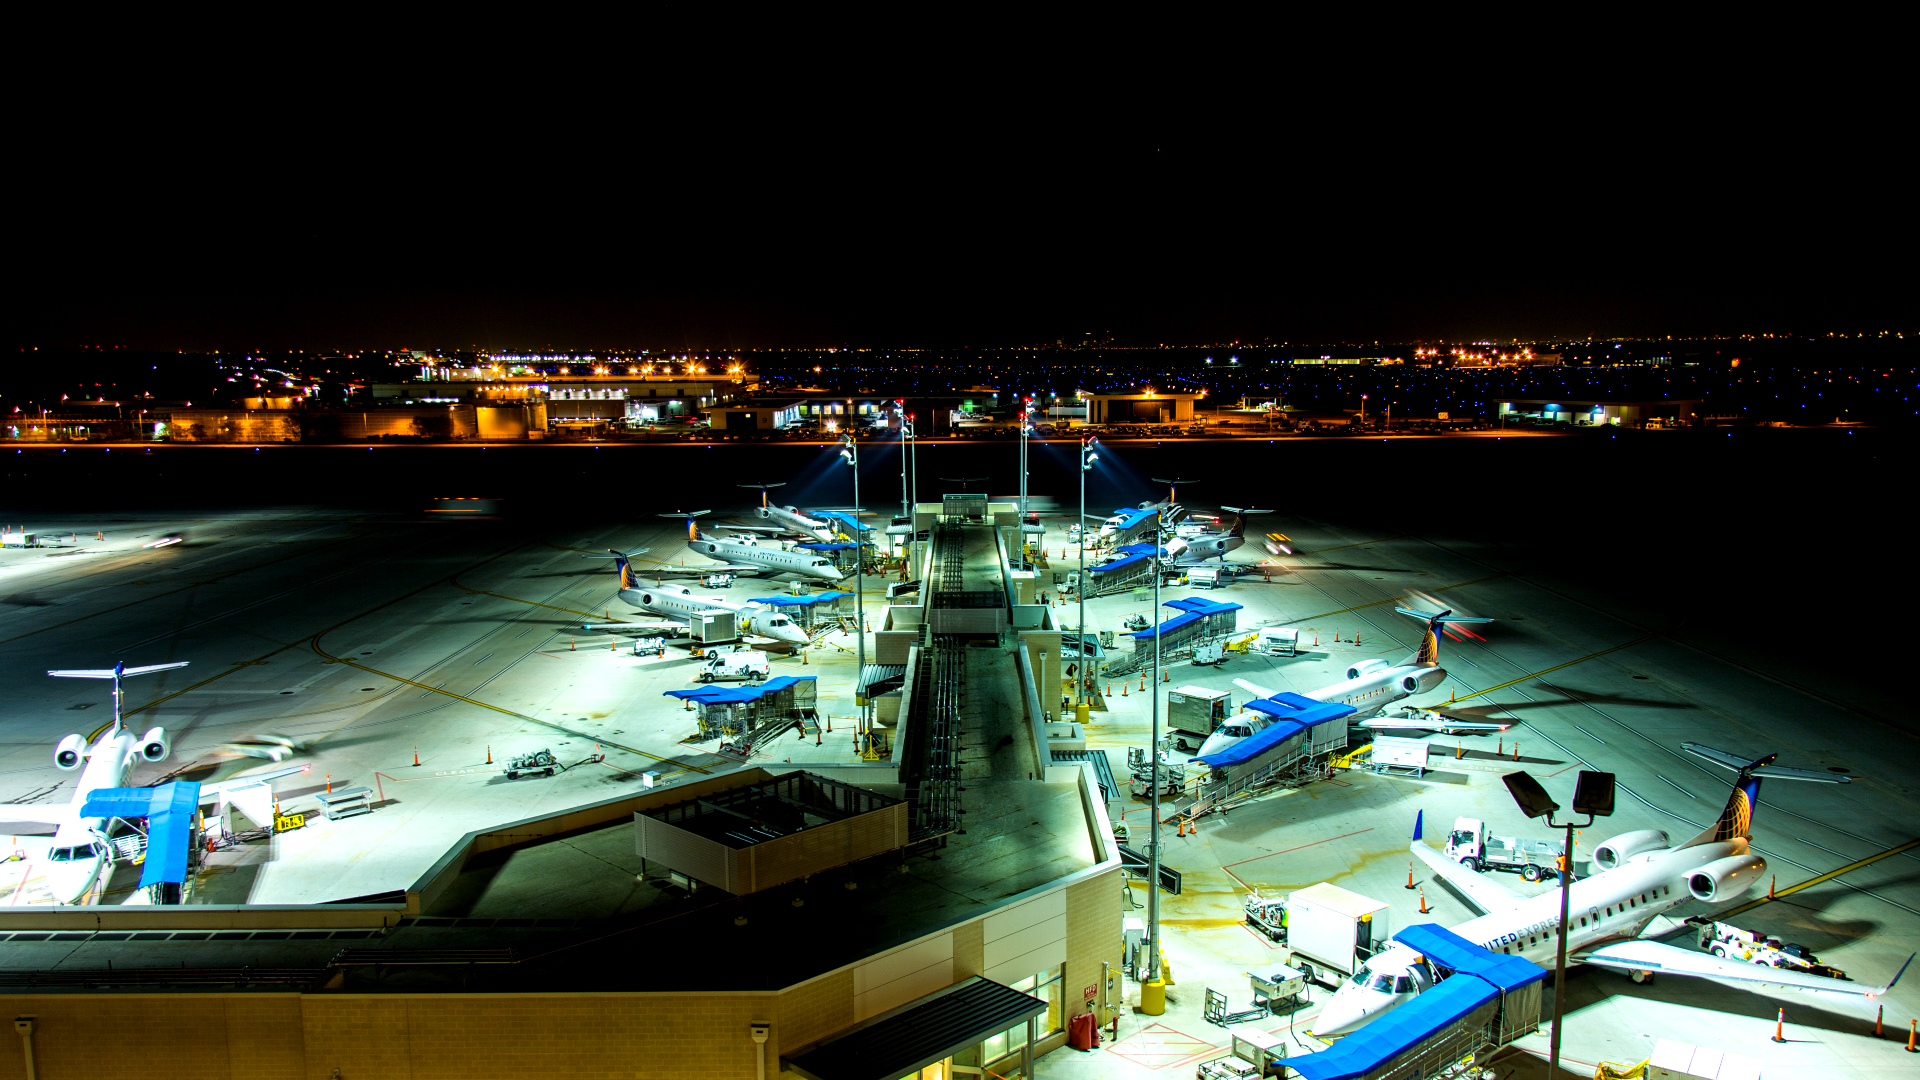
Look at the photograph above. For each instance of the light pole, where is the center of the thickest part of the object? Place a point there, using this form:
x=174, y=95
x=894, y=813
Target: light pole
x=1087, y=458
x=1153, y=760
x=850, y=453
x=1592, y=796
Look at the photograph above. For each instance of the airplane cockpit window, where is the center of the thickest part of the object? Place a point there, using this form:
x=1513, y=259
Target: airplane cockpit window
x=72, y=854
x=1234, y=731
x=819, y=562
x=1403, y=985
x=1381, y=984
x=777, y=621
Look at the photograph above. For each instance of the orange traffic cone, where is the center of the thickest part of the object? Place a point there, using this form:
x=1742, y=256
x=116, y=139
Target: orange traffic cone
x=1910, y=1046
x=571, y=646
x=489, y=753
x=1409, y=877
x=416, y=755
x=1423, y=901
x=1123, y=689
x=1779, y=1027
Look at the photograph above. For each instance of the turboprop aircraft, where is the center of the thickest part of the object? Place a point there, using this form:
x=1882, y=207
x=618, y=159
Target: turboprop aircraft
x=1370, y=685
x=1642, y=876
x=678, y=606
x=79, y=850
x=1211, y=545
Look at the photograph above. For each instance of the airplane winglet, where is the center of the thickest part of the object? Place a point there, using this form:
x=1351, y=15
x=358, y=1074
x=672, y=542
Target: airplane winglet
x=1896, y=976
x=1419, y=822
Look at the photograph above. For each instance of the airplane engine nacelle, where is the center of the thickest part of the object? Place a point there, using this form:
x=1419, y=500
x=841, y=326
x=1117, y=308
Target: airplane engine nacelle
x=70, y=753
x=709, y=548
x=1723, y=879
x=1618, y=849
x=1423, y=680
x=153, y=746
x=1365, y=666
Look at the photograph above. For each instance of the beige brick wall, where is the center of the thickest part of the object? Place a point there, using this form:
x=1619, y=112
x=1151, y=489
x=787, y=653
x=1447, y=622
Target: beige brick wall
x=1093, y=934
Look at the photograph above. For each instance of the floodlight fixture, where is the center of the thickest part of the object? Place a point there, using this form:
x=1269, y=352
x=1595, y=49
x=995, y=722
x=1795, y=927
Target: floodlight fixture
x=1593, y=794
x=1527, y=792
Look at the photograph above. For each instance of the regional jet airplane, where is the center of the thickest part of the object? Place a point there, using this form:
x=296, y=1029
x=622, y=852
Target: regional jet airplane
x=1370, y=685
x=785, y=520
x=678, y=607
x=743, y=554
x=79, y=850
x=1642, y=876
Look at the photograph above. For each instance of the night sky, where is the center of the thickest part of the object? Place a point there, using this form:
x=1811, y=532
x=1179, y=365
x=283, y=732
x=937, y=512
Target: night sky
x=244, y=213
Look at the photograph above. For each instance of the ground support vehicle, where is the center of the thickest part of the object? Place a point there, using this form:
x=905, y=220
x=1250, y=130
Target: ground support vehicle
x=540, y=762
x=1470, y=845
x=1173, y=778
x=1193, y=713
x=1725, y=940
x=746, y=664
x=1392, y=754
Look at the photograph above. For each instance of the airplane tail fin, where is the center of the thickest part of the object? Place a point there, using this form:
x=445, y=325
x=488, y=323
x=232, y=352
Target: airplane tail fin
x=1736, y=818
x=1429, y=654
x=622, y=562
x=1240, y=515
x=116, y=673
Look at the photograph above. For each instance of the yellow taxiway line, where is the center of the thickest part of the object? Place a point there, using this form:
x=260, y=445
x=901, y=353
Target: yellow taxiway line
x=1811, y=882
x=1555, y=667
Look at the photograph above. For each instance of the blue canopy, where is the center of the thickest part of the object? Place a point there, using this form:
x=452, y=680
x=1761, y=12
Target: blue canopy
x=1449, y=950
x=1200, y=605
x=851, y=522
x=169, y=810
x=1292, y=713
x=738, y=695
x=1117, y=564
x=1400, y=1030
x=799, y=601
x=1132, y=517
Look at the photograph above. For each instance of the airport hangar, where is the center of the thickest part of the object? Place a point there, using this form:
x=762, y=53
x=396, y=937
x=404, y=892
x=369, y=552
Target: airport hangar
x=826, y=947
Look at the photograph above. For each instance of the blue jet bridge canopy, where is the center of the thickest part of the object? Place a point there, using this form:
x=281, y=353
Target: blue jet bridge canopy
x=1192, y=609
x=1131, y=517
x=1449, y=950
x=738, y=695
x=169, y=810
x=1292, y=713
x=800, y=601
x=1397, y=1032
x=1118, y=564
x=843, y=518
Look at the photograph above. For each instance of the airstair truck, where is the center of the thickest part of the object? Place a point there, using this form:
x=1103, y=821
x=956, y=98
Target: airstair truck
x=1328, y=930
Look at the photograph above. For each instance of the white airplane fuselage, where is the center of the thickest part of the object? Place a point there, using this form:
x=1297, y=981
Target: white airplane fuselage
x=1371, y=692
x=790, y=518
x=76, y=856
x=1614, y=904
x=803, y=563
x=677, y=602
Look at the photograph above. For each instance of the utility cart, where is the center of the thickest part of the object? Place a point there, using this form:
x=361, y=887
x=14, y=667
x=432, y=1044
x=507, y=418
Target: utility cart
x=538, y=763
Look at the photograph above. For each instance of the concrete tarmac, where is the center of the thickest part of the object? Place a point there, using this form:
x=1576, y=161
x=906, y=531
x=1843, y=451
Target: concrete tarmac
x=1626, y=688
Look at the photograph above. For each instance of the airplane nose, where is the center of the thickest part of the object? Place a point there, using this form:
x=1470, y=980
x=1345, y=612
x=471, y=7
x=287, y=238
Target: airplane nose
x=1340, y=1015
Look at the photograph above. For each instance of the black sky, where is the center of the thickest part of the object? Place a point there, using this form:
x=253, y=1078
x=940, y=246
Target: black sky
x=232, y=216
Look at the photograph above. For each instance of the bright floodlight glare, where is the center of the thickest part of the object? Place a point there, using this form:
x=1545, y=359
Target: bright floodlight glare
x=1527, y=792
x=1593, y=794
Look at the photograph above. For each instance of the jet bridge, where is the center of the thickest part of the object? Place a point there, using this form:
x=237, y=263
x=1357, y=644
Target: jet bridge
x=805, y=610
x=741, y=714
x=1199, y=620
x=1292, y=748
x=1483, y=1001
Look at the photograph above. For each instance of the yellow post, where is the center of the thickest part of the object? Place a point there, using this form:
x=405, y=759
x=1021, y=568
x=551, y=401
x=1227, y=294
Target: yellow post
x=1153, y=997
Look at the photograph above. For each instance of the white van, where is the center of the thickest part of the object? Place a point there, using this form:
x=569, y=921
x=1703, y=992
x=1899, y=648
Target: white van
x=748, y=664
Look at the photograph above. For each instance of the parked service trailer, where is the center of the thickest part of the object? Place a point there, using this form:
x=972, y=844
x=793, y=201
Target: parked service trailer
x=1391, y=755
x=1328, y=931
x=1278, y=641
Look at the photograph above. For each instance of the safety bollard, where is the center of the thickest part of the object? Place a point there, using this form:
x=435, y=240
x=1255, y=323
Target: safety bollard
x=1780, y=1026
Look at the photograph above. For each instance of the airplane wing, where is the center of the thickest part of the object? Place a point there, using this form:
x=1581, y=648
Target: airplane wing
x=711, y=568
x=636, y=627
x=1431, y=722
x=253, y=793
x=1254, y=688
x=44, y=813
x=209, y=791
x=757, y=528
x=1637, y=955
x=1485, y=893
